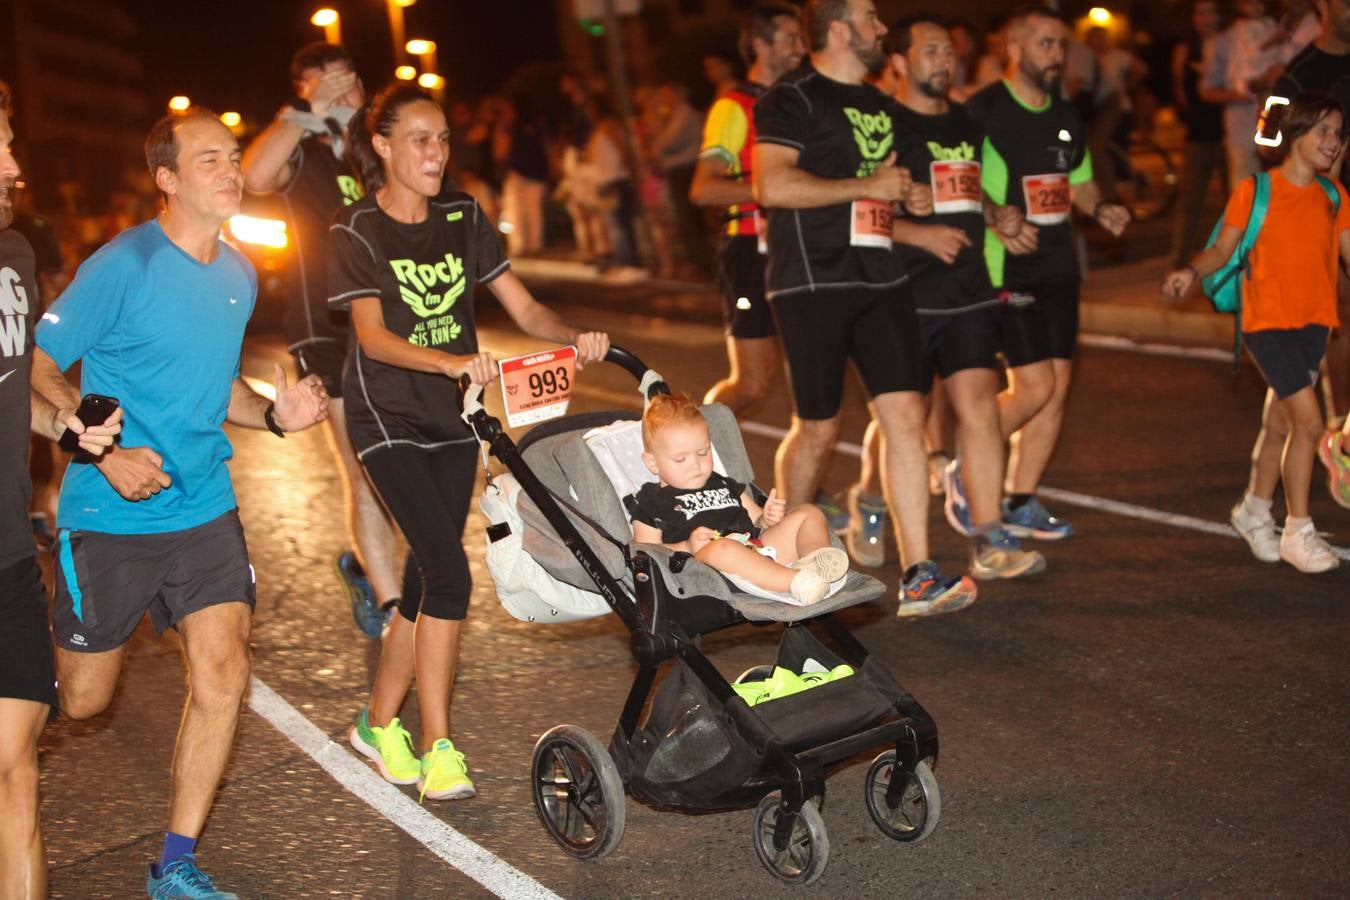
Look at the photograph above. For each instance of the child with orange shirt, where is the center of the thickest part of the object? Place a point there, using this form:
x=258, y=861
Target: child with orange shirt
x=1288, y=311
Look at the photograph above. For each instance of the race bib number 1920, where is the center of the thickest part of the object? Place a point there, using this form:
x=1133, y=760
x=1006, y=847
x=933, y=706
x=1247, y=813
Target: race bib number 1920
x=956, y=186
x=1047, y=198
x=536, y=387
x=870, y=224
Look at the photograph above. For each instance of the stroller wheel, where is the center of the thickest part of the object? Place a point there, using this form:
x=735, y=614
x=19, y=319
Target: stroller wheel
x=918, y=803
x=802, y=858
x=578, y=793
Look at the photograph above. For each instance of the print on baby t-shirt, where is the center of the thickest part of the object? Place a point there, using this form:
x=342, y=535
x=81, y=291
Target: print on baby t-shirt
x=430, y=290
x=693, y=503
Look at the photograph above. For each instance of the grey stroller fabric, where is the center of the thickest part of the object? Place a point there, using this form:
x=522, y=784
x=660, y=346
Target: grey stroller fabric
x=566, y=466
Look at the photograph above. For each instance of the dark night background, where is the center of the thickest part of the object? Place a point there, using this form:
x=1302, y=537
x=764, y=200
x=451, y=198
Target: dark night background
x=235, y=56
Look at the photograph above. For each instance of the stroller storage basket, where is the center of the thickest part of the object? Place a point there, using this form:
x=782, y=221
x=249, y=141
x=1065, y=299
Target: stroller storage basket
x=689, y=753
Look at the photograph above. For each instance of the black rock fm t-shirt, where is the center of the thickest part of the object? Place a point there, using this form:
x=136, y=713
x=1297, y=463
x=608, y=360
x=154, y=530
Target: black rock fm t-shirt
x=943, y=152
x=320, y=185
x=424, y=275
x=841, y=131
x=677, y=512
x=1032, y=158
x=18, y=302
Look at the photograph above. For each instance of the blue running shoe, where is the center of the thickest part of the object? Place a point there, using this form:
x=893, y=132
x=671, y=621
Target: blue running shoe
x=182, y=880
x=866, y=535
x=957, y=505
x=1032, y=520
x=835, y=514
x=365, y=607
x=926, y=592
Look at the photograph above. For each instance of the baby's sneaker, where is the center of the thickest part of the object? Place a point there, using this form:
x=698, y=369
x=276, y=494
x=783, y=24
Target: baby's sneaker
x=830, y=563
x=808, y=587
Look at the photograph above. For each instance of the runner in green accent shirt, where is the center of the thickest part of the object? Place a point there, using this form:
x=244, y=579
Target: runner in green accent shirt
x=1035, y=158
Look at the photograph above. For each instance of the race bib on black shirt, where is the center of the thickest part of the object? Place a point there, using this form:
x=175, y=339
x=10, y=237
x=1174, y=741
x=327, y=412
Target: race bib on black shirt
x=1031, y=158
x=424, y=276
x=944, y=152
x=841, y=131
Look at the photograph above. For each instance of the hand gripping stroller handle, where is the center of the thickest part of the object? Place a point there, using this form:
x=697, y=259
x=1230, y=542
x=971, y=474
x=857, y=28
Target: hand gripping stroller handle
x=650, y=382
x=470, y=397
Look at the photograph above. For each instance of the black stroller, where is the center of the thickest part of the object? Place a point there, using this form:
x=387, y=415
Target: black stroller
x=700, y=747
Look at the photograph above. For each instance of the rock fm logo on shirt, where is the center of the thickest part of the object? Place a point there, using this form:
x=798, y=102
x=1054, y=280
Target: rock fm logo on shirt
x=874, y=135
x=423, y=287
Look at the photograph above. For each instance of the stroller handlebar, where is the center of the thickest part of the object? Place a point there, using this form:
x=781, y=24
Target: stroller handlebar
x=650, y=382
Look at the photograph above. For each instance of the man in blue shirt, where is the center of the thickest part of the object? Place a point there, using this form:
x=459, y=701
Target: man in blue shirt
x=156, y=318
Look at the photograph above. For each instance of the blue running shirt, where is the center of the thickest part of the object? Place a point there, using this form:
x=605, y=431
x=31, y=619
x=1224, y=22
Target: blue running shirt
x=161, y=332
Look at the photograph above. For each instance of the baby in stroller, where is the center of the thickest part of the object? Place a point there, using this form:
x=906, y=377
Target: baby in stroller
x=715, y=519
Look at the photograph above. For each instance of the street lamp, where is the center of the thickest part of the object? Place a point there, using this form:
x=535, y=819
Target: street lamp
x=405, y=73
x=231, y=120
x=331, y=23
x=425, y=51
x=396, y=8
x=1099, y=15
x=431, y=81
x=179, y=104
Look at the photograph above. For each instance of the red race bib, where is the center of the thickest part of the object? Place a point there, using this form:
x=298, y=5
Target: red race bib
x=1047, y=198
x=956, y=186
x=870, y=224
x=536, y=387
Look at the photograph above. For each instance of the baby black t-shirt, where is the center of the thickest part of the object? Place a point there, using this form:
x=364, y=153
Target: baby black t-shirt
x=424, y=275
x=716, y=505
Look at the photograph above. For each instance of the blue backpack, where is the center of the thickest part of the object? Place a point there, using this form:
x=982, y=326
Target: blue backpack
x=1224, y=287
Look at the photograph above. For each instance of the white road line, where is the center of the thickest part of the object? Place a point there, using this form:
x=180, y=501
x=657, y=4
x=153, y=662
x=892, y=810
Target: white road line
x=1129, y=345
x=480, y=864
x=1086, y=501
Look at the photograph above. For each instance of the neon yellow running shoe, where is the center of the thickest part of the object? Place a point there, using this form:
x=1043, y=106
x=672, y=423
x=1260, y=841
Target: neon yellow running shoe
x=389, y=747
x=444, y=775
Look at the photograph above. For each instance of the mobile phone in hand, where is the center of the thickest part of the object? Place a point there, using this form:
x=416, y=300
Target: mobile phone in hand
x=94, y=410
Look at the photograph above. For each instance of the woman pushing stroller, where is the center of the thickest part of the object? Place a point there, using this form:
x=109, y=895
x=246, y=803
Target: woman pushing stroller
x=405, y=260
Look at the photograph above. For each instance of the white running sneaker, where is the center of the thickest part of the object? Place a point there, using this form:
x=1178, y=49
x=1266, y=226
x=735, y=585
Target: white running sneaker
x=1306, y=551
x=1258, y=532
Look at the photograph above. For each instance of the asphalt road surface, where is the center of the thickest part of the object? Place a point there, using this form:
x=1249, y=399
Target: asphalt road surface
x=1156, y=715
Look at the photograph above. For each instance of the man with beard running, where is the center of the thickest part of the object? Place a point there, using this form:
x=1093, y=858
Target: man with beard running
x=959, y=310
x=771, y=44
x=301, y=157
x=1035, y=158
x=824, y=167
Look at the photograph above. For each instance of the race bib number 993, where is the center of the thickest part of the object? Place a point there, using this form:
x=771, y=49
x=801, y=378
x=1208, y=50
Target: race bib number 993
x=537, y=387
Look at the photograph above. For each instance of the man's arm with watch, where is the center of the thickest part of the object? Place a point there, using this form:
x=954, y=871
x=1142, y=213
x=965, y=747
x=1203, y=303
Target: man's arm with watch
x=296, y=407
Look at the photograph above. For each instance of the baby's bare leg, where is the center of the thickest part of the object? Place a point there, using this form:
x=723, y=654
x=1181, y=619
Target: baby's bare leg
x=733, y=558
x=802, y=530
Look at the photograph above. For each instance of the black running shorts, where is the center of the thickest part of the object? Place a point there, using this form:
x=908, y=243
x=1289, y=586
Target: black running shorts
x=1044, y=329
x=958, y=341
x=1289, y=358
x=105, y=582
x=27, y=666
x=822, y=330
x=740, y=268
x=323, y=357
